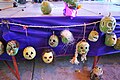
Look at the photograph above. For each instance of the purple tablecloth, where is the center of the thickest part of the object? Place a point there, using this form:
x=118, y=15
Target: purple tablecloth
x=38, y=37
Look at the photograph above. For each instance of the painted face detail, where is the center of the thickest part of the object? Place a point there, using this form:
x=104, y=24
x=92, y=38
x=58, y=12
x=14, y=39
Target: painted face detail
x=107, y=24
x=53, y=41
x=83, y=47
x=93, y=36
x=12, y=47
x=29, y=53
x=1, y=48
x=67, y=37
x=117, y=45
x=110, y=39
x=46, y=7
x=48, y=56
x=96, y=73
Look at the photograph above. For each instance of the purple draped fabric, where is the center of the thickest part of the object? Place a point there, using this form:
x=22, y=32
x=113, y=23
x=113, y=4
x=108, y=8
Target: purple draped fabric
x=38, y=37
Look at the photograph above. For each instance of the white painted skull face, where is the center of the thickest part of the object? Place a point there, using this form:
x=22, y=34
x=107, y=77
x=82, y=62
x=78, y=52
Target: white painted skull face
x=83, y=47
x=67, y=37
x=98, y=71
x=53, y=41
x=93, y=36
x=48, y=56
x=29, y=53
x=1, y=48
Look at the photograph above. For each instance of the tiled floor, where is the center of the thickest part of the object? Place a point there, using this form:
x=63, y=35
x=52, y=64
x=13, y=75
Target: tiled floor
x=62, y=69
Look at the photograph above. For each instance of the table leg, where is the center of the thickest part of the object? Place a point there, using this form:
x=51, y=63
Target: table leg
x=95, y=62
x=16, y=72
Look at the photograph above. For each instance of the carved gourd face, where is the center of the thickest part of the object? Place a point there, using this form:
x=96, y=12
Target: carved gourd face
x=98, y=71
x=53, y=41
x=29, y=53
x=46, y=7
x=117, y=45
x=107, y=24
x=93, y=36
x=67, y=37
x=48, y=56
x=12, y=47
x=1, y=48
x=110, y=39
x=83, y=47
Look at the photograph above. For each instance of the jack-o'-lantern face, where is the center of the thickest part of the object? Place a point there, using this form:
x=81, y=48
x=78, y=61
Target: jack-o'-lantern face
x=29, y=53
x=48, y=56
x=110, y=39
x=93, y=36
x=107, y=24
x=12, y=47
x=117, y=45
x=53, y=41
x=83, y=47
x=1, y=48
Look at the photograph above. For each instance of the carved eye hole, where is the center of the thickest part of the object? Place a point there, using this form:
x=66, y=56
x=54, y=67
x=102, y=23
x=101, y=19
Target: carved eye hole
x=50, y=39
x=14, y=46
x=27, y=53
x=85, y=47
x=45, y=57
x=31, y=52
x=53, y=40
x=109, y=24
x=113, y=38
x=81, y=47
x=114, y=24
x=103, y=23
x=95, y=75
x=50, y=57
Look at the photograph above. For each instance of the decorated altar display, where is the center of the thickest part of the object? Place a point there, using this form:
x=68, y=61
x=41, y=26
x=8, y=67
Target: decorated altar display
x=64, y=38
x=30, y=37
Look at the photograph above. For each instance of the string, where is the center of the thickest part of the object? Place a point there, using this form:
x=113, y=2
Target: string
x=84, y=31
x=55, y=26
x=94, y=27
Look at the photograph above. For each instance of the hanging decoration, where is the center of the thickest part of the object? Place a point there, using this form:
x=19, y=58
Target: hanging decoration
x=53, y=40
x=71, y=8
x=46, y=7
x=93, y=36
x=29, y=53
x=48, y=56
x=25, y=28
x=12, y=47
x=6, y=22
x=67, y=37
x=82, y=48
x=96, y=73
x=107, y=24
x=117, y=45
x=110, y=39
x=1, y=48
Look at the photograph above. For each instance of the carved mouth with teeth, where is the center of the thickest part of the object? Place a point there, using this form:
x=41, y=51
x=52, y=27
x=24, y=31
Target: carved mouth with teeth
x=95, y=37
x=109, y=31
